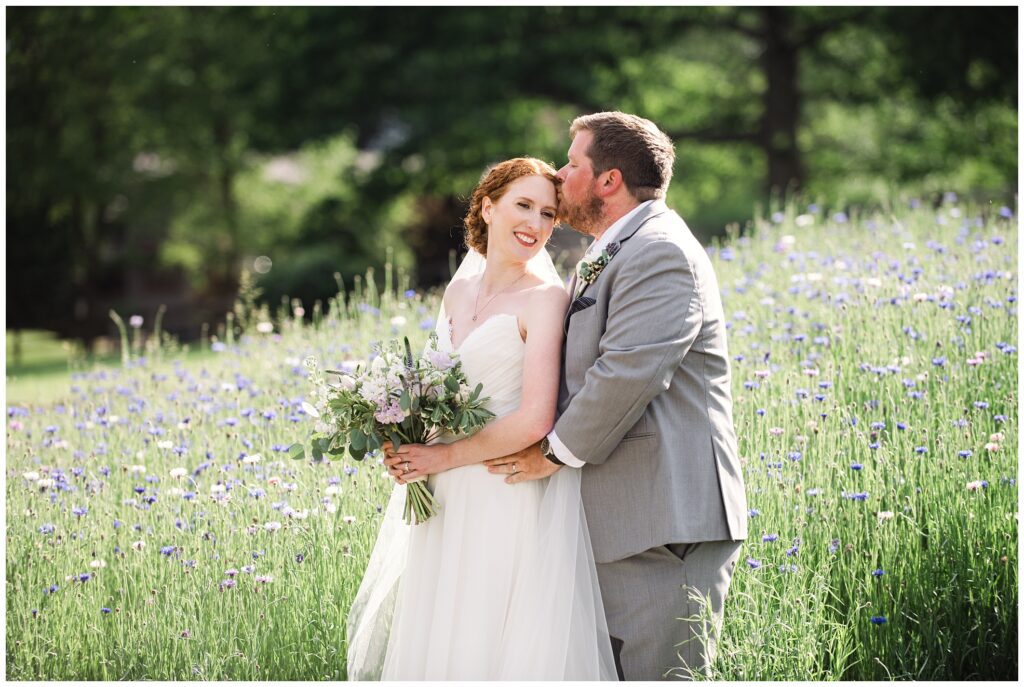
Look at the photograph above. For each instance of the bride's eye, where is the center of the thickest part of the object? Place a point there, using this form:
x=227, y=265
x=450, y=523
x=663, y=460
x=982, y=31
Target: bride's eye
x=525, y=206
x=549, y=215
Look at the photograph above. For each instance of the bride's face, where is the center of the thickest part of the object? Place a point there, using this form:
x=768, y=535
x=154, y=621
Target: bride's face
x=521, y=221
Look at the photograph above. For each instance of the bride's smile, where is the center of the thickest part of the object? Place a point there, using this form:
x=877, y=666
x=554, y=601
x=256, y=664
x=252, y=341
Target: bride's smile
x=521, y=220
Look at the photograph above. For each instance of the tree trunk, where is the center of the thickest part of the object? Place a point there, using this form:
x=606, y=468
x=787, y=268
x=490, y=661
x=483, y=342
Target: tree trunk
x=781, y=101
x=226, y=183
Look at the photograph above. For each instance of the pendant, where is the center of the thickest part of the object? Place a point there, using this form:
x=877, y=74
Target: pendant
x=474, y=318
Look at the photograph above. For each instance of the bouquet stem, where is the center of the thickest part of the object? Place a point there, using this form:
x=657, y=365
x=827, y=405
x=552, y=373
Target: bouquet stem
x=420, y=504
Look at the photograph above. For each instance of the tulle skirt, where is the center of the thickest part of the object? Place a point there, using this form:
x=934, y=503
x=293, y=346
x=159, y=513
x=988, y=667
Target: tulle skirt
x=500, y=585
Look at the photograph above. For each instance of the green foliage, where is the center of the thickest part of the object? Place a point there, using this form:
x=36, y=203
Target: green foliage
x=153, y=142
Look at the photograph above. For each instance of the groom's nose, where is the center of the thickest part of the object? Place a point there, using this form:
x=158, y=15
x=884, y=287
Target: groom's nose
x=560, y=175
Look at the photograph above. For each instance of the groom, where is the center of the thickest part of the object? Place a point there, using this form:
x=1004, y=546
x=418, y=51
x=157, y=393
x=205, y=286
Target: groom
x=645, y=408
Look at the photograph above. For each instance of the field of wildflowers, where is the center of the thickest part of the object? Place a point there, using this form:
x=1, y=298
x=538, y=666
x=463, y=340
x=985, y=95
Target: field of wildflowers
x=156, y=528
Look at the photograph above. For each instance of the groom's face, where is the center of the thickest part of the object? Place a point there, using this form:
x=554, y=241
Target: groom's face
x=579, y=206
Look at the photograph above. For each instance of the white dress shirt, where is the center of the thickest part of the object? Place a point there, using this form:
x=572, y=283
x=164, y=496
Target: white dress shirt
x=561, y=451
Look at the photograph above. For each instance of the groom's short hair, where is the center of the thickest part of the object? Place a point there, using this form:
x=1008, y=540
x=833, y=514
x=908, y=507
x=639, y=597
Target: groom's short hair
x=635, y=146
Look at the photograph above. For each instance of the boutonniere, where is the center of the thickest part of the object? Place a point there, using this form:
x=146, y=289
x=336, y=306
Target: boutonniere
x=589, y=270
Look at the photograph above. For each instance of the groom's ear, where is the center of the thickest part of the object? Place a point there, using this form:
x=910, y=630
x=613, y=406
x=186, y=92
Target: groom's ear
x=609, y=182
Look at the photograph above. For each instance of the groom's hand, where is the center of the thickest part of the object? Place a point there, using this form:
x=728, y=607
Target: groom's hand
x=528, y=464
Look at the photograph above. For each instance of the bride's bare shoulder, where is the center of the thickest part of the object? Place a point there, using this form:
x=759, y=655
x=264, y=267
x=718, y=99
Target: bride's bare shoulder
x=455, y=292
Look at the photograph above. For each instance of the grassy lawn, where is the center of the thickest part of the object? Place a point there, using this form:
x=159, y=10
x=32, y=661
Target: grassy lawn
x=43, y=373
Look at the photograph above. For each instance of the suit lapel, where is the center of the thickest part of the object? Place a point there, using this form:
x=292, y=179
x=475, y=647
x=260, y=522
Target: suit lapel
x=656, y=208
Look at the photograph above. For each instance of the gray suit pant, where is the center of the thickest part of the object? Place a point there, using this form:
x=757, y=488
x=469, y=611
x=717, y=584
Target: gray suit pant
x=649, y=596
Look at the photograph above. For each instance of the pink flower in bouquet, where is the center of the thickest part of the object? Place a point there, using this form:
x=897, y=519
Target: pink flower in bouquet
x=389, y=413
x=442, y=360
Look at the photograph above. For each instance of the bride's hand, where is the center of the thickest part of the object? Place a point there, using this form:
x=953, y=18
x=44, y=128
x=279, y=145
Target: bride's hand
x=413, y=461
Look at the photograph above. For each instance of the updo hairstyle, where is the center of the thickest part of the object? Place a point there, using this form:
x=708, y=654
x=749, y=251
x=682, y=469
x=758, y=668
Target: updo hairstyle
x=493, y=184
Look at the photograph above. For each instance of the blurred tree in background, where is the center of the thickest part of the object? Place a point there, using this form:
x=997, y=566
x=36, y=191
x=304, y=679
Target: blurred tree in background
x=153, y=153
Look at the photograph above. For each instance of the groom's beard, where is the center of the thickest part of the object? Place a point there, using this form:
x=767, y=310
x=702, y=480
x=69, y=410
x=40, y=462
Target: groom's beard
x=585, y=217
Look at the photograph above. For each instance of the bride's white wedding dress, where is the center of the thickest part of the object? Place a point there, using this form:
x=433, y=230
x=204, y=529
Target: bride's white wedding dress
x=500, y=585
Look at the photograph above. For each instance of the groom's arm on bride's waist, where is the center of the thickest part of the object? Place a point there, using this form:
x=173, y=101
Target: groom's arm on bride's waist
x=655, y=313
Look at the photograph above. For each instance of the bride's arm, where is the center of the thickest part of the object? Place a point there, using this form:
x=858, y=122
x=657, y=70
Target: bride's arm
x=542, y=318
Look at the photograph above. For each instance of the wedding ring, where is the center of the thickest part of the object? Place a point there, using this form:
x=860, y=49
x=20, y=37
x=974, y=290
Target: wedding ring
x=514, y=468
x=407, y=466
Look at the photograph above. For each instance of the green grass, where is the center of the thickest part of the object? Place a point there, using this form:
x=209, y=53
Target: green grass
x=43, y=374
x=850, y=324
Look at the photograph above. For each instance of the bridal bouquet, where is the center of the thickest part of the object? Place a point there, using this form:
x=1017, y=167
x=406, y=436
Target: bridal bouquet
x=399, y=398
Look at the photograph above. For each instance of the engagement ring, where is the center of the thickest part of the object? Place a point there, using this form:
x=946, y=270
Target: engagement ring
x=514, y=468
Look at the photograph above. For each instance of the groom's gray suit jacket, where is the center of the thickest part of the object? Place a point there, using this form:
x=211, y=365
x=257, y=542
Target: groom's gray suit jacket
x=645, y=399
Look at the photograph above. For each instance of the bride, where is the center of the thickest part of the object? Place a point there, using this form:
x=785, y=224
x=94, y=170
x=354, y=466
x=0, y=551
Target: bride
x=500, y=584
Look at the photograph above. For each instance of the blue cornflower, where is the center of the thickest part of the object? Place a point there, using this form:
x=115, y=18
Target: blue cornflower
x=834, y=546
x=965, y=454
x=46, y=528
x=80, y=510
x=920, y=449
x=873, y=446
x=84, y=577
x=877, y=425
x=760, y=412
x=299, y=557
x=52, y=589
x=795, y=455
x=753, y=513
x=753, y=563
x=409, y=293
x=167, y=550
x=939, y=362
x=1005, y=212
x=856, y=466
x=104, y=610
x=1000, y=418
x=140, y=490
x=879, y=620
x=878, y=573
x=902, y=426
x=769, y=537
x=981, y=405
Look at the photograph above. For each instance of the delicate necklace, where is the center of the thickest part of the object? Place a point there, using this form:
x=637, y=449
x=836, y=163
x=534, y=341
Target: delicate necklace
x=476, y=310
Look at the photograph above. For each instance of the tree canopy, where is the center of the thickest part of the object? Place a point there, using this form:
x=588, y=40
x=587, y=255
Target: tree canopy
x=157, y=150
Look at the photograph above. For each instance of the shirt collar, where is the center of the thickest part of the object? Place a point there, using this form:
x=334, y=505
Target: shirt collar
x=614, y=230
